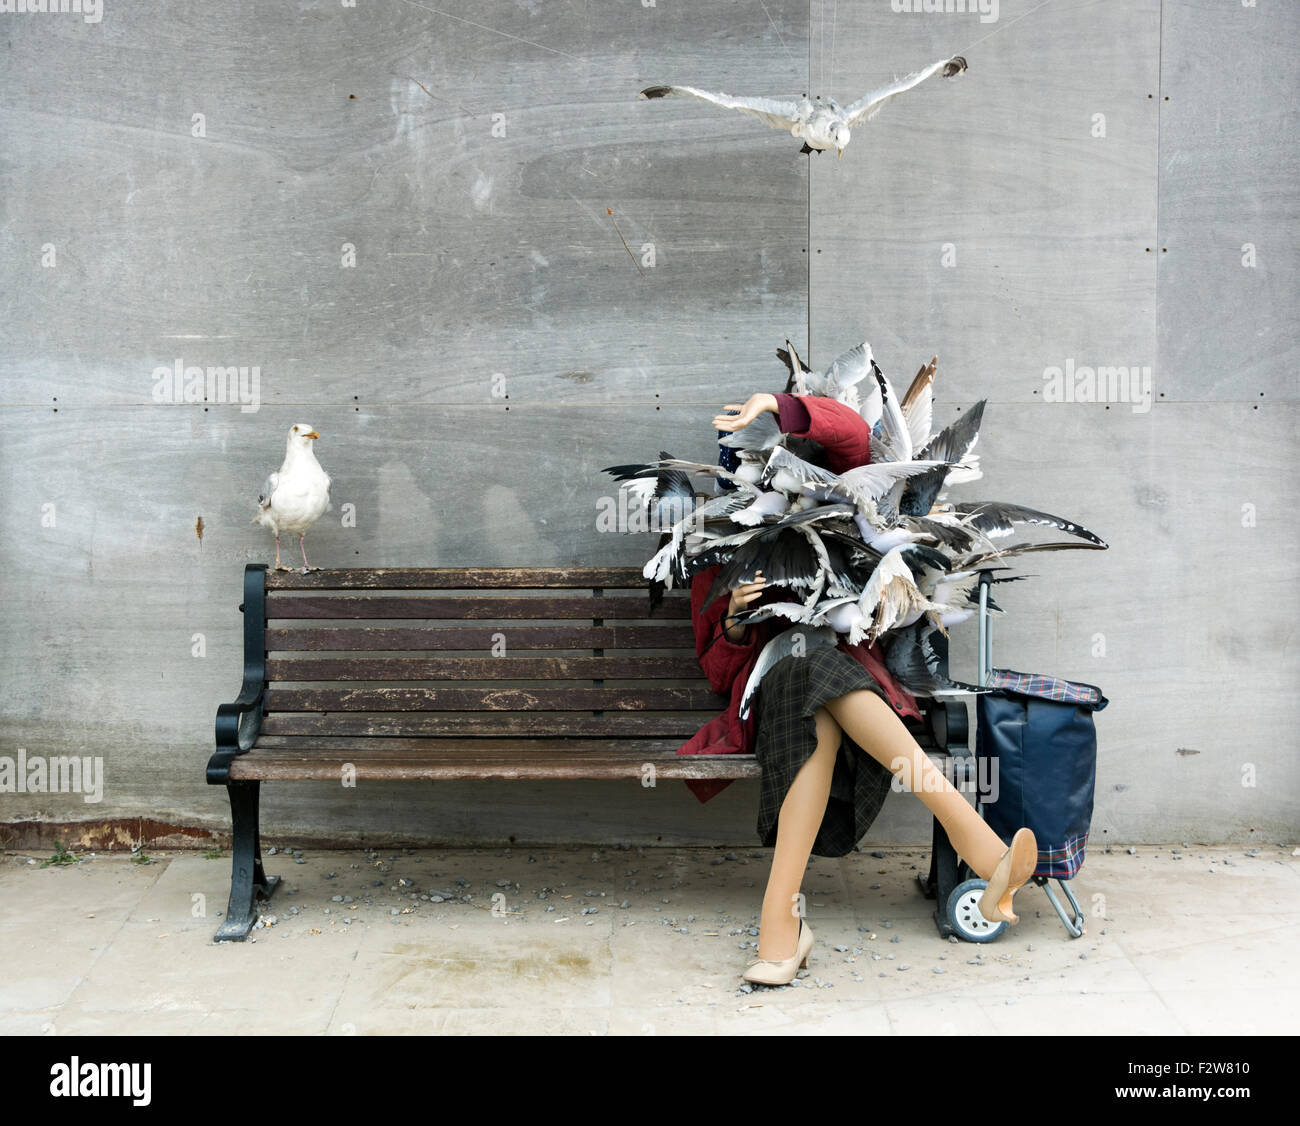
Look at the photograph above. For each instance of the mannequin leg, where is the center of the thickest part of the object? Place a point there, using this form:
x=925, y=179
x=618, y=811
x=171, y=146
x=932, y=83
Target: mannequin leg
x=872, y=724
x=796, y=829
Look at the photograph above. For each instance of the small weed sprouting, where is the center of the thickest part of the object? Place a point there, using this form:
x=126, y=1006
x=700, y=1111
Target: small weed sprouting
x=61, y=856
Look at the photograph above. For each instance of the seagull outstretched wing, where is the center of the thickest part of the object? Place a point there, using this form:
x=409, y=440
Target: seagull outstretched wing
x=996, y=518
x=779, y=113
x=865, y=108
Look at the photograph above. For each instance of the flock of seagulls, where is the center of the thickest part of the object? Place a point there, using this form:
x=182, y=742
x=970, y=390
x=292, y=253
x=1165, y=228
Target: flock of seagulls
x=293, y=499
x=877, y=553
x=820, y=124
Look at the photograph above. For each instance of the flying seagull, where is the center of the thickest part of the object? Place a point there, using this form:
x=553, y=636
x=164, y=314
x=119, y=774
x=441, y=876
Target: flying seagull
x=293, y=499
x=821, y=124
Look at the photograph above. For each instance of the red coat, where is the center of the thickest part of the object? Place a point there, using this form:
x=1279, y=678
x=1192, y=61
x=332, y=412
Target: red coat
x=727, y=664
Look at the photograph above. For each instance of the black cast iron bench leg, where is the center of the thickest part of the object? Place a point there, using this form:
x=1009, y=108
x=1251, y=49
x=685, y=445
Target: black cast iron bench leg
x=248, y=880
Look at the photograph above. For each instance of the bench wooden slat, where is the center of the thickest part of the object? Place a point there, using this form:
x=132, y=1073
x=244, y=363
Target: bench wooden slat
x=458, y=578
x=681, y=725
x=609, y=698
x=415, y=747
x=292, y=606
x=669, y=635
x=302, y=669
x=528, y=761
x=412, y=747
x=626, y=724
x=624, y=761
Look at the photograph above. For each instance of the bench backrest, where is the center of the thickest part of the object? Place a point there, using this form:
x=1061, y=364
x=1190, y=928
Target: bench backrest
x=506, y=652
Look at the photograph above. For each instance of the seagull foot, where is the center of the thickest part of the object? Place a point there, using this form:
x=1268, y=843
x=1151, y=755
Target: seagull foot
x=282, y=567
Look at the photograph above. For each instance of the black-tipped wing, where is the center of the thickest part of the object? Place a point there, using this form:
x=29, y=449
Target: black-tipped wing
x=871, y=104
x=784, y=555
x=779, y=113
x=996, y=518
x=921, y=491
x=955, y=441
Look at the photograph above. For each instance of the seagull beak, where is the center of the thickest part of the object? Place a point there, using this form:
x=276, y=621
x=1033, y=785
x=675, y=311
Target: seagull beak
x=313, y=434
x=841, y=156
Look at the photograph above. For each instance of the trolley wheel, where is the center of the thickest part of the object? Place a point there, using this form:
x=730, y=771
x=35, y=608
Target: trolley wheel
x=964, y=913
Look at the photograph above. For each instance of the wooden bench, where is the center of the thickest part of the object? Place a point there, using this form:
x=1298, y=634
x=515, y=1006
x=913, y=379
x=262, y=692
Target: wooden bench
x=455, y=673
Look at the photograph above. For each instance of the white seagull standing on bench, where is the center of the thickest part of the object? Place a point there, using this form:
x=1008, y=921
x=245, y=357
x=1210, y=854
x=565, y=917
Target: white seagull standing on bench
x=293, y=499
x=822, y=124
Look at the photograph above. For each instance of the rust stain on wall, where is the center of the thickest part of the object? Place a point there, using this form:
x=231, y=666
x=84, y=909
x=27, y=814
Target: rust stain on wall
x=119, y=834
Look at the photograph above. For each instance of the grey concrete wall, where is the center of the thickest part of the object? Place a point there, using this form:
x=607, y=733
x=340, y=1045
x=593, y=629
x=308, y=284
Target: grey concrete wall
x=980, y=219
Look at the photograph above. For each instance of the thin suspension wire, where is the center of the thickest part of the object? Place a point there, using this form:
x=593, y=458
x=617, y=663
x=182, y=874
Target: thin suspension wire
x=1004, y=26
x=778, y=31
x=835, y=4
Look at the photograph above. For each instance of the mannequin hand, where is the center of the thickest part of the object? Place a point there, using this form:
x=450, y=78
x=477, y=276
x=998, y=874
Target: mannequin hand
x=754, y=406
x=745, y=593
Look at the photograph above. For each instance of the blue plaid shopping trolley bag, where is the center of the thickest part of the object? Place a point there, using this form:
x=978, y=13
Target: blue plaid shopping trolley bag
x=1036, y=766
x=1036, y=755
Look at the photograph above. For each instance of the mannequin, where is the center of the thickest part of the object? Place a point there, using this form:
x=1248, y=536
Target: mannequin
x=784, y=940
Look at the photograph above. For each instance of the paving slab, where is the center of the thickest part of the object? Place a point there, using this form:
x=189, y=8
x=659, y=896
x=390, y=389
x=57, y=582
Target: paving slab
x=637, y=941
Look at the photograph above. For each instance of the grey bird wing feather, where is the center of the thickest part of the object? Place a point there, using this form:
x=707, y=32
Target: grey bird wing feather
x=1022, y=548
x=953, y=536
x=779, y=113
x=804, y=471
x=871, y=104
x=790, y=358
x=852, y=367
x=821, y=512
x=871, y=482
x=921, y=491
x=665, y=561
x=997, y=518
x=897, y=439
x=824, y=568
x=780, y=647
x=845, y=373
x=793, y=611
x=761, y=434
x=914, y=654
x=264, y=498
x=955, y=441
x=918, y=405
x=667, y=462
x=784, y=555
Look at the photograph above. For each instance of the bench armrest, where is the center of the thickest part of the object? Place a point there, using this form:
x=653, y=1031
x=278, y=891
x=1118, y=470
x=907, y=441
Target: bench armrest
x=239, y=723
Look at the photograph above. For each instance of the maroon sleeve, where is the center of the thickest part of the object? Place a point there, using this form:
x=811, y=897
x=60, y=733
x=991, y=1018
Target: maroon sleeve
x=839, y=430
x=792, y=415
x=720, y=658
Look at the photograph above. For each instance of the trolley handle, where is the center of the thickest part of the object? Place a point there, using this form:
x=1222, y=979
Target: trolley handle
x=984, y=641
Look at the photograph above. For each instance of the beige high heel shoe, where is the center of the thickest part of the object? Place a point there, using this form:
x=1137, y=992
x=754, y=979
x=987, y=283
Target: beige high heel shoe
x=772, y=971
x=1013, y=870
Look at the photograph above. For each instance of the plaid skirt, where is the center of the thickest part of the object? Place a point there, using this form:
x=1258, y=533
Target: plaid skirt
x=788, y=696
